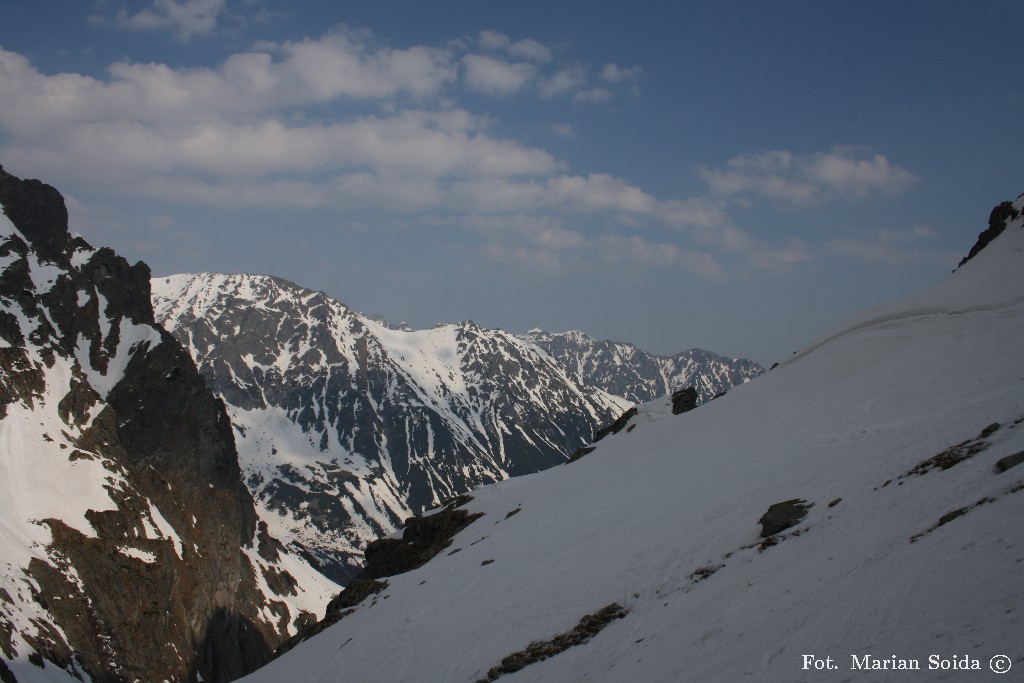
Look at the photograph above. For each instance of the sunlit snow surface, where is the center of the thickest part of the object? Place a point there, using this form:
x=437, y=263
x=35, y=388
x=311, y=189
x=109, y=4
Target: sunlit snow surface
x=632, y=522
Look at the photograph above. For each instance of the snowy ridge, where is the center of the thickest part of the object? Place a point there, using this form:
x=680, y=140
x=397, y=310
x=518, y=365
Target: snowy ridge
x=346, y=426
x=890, y=427
x=624, y=370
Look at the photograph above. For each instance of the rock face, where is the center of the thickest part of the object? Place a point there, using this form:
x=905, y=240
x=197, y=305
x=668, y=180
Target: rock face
x=346, y=426
x=684, y=400
x=624, y=370
x=131, y=548
x=997, y=220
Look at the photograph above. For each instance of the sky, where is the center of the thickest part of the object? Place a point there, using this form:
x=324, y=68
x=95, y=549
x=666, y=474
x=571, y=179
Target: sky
x=731, y=175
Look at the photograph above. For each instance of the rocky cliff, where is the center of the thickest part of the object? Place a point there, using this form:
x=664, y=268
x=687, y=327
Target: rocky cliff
x=131, y=549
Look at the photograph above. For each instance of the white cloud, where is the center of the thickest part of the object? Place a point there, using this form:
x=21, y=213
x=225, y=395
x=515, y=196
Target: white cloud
x=562, y=130
x=496, y=76
x=546, y=232
x=341, y=64
x=527, y=48
x=186, y=18
x=613, y=73
x=804, y=180
x=563, y=81
x=635, y=251
x=235, y=135
x=545, y=243
x=592, y=96
x=893, y=248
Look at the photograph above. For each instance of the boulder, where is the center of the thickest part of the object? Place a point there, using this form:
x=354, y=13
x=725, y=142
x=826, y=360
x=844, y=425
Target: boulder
x=684, y=400
x=782, y=516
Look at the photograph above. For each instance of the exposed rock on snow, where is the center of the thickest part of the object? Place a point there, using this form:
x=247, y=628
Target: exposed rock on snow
x=590, y=625
x=617, y=426
x=1009, y=461
x=782, y=516
x=684, y=400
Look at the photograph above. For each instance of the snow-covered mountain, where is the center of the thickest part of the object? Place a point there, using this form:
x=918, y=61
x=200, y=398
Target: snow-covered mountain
x=622, y=369
x=129, y=547
x=346, y=426
x=857, y=508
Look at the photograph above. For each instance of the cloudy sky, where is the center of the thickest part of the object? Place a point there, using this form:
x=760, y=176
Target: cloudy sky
x=731, y=175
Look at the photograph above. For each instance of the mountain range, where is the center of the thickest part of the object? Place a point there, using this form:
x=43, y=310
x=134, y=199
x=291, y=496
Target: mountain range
x=621, y=369
x=346, y=426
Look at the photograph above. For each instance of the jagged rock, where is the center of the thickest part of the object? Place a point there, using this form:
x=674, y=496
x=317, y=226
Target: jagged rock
x=996, y=224
x=781, y=516
x=685, y=400
x=423, y=537
x=617, y=426
x=39, y=212
x=579, y=453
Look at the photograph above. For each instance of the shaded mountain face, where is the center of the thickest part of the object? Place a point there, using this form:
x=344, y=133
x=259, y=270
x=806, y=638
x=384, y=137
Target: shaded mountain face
x=346, y=426
x=862, y=501
x=130, y=549
x=624, y=370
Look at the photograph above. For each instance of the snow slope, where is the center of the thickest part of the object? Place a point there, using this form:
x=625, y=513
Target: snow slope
x=663, y=520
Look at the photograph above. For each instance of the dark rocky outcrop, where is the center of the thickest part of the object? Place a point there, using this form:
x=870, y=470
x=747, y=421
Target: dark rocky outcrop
x=423, y=538
x=685, y=400
x=997, y=220
x=1009, y=461
x=617, y=426
x=588, y=627
x=195, y=610
x=782, y=516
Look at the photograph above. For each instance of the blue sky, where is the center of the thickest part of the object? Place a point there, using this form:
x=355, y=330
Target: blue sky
x=736, y=176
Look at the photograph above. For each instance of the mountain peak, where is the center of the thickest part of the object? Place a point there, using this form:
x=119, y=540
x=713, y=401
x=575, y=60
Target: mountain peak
x=39, y=212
